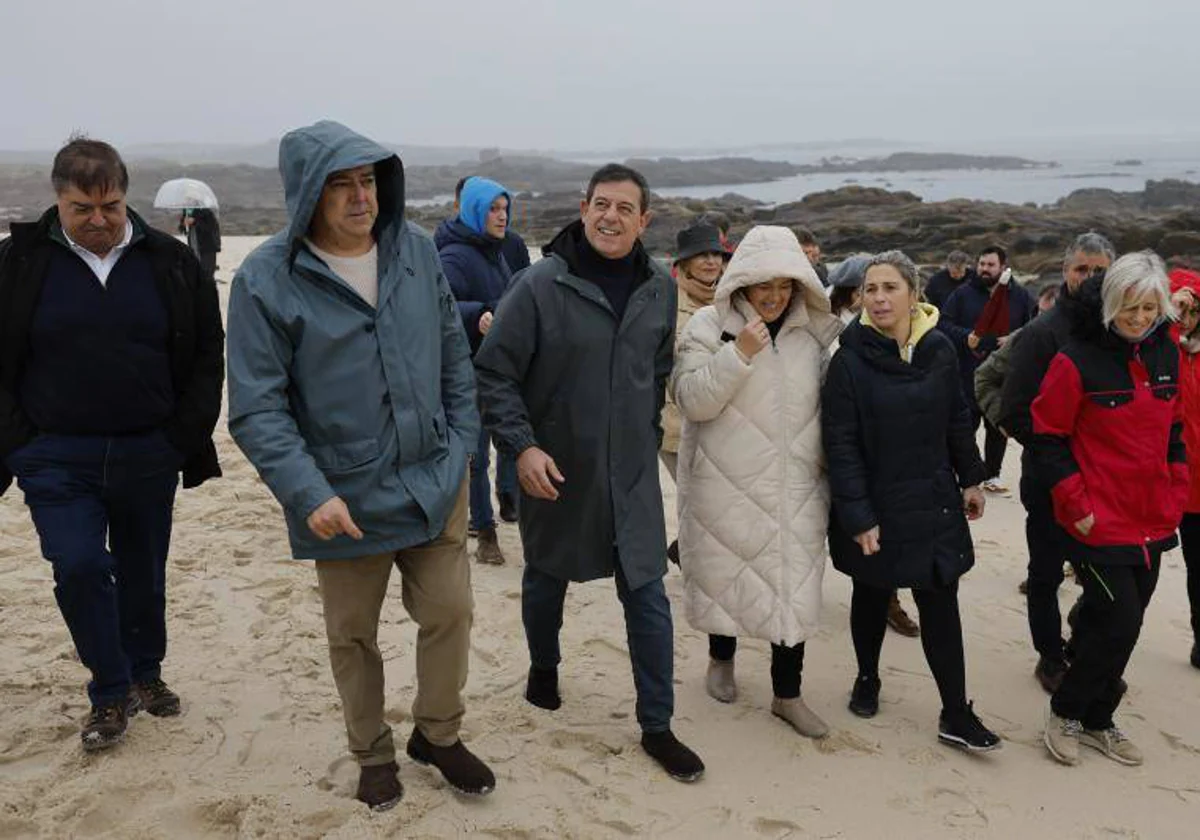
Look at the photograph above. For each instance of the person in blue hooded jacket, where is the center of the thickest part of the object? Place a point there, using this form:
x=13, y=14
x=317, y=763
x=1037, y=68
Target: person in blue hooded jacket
x=470, y=247
x=351, y=390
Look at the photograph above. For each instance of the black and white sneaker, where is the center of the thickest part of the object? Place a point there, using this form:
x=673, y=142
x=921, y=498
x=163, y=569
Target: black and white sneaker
x=964, y=729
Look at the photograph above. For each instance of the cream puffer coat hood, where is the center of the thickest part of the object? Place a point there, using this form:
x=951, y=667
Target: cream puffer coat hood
x=753, y=495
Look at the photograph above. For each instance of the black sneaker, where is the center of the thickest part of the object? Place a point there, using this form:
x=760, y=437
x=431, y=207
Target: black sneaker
x=156, y=698
x=105, y=725
x=1050, y=672
x=1196, y=654
x=964, y=729
x=508, y=507
x=864, y=697
x=541, y=689
x=458, y=765
x=379, y=786
x=680, y=763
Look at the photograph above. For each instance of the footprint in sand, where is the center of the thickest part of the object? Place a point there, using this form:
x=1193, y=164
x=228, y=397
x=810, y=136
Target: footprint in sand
x=842, y=741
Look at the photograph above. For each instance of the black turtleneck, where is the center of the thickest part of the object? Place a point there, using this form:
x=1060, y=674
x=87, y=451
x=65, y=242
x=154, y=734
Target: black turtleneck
x=616, y=278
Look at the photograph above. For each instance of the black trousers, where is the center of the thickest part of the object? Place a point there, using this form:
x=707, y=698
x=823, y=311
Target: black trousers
x=994, y=445
x=1110, y=620
x=1189, y=536
x=1047, y=550
x=941, y=636
x=787, y=663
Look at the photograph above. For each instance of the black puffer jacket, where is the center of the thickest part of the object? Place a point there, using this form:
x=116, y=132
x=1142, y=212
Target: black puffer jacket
x=900, y=447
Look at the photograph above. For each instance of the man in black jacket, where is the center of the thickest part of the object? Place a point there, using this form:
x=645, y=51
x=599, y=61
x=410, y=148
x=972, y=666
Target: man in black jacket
x=945, y=282
x=572, y=377
x=1033, y=349
x=111, y=367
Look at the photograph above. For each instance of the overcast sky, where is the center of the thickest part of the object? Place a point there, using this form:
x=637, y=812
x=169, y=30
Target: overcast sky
x=597, y=75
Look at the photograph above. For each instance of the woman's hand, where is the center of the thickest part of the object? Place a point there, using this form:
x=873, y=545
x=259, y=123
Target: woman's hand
x=1085, y=525
x=868, y=541
x=753, y=338
x=973, y=502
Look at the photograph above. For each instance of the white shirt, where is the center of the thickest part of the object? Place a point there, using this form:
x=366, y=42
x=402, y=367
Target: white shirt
x=360, y=273
x=102, y=266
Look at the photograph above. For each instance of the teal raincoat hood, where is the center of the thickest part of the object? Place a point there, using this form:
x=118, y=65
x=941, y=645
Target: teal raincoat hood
x=309, y=155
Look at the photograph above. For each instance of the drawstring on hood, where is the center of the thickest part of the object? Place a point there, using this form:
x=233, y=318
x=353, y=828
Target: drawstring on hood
x=924, y=319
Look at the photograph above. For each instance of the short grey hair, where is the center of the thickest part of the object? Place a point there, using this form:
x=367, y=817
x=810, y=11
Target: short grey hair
x=1090, y=243
x=899, y=261
x=958, y=258
x=1138, y=274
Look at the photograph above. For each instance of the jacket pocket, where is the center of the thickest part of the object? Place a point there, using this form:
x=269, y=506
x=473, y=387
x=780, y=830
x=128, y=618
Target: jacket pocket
x=343, y=457
x=1111, y=399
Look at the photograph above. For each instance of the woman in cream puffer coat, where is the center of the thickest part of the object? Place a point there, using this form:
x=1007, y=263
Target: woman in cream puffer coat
x=753, y=495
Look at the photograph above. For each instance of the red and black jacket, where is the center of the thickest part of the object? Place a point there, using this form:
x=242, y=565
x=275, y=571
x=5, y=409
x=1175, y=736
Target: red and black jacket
x=1108, y=436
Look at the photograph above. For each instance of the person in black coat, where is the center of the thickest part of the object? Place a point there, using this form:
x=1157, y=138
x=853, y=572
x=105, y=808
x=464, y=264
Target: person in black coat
x=111, y=374
x=903, y=467
x=204, y=237
x=979, y=317
x=945, y=282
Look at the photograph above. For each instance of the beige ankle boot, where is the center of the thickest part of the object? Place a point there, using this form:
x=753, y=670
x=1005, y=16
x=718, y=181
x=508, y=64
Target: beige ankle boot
x=802, y=718
x=720, y=683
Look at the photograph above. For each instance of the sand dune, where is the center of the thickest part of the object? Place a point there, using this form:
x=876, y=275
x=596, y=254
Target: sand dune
x=260, y=750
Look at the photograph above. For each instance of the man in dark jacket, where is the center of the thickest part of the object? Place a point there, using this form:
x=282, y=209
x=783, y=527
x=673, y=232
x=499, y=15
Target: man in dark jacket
x=1032, y=350
x=472, y=258
x=572, y=377
x=978, y=317
x=111, y=369
x=516, y=252
x=812, y=250
x=945, y=282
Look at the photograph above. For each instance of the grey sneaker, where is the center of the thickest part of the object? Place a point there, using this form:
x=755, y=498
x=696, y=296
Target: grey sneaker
x=803, y=719
x=1062, y=738
x=720, y=682
x=1113, y=743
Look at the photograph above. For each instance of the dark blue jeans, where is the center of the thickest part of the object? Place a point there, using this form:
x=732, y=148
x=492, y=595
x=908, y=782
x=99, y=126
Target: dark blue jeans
x=482, y=515
x=648, y=629
x=102, y=508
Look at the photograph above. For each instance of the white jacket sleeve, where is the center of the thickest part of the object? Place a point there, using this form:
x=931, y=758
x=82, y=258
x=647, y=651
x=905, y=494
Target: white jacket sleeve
x=708, y=372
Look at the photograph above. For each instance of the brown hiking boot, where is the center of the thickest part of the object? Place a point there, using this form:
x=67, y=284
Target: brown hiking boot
x=488, y=550
x=898, y=619
x=458, y=765
x=379, y=786
x=105, y=725
x=156, y=698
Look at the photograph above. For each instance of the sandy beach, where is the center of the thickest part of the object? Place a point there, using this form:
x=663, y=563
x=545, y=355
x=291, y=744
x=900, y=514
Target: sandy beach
x=260, y=750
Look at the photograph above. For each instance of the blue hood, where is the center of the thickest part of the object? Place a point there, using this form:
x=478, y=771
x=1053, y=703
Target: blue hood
x=309, y=155
x=476, y=200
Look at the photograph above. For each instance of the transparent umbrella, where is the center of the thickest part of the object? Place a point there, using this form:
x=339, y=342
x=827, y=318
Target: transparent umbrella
x=185, y=194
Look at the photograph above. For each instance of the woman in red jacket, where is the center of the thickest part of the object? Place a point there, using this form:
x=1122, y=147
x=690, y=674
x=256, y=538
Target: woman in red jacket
x=1185, y=294
x=1108, y=431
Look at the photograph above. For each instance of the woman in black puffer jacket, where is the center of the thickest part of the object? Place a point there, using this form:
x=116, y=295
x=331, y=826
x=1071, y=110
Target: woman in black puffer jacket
x=903, y=466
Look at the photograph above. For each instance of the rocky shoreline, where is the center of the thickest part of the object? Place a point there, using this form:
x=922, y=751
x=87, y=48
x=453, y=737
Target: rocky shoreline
x=1165, y=216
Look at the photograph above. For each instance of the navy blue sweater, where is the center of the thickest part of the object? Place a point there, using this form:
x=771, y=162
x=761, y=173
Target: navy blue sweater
x=98, y=357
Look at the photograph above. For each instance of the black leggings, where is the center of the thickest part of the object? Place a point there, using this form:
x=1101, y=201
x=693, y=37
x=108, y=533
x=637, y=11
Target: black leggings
x=941, y=636
x=787, y=663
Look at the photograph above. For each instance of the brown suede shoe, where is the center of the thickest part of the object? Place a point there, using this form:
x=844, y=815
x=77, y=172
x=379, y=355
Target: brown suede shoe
x=379, y=786
x=156, y=698
x=105, y=725
x=898, y=619
x=465, y=773
x=488, y=550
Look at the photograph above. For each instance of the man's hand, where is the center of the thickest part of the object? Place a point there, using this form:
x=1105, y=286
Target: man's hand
x=485, y=322
x=331, y=519
x=972, y=341
x=1001, y=340
x=868, y=541
x=538, y=473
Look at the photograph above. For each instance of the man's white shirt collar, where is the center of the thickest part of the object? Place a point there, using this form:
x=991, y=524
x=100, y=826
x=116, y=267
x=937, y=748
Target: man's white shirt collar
x=102, y=266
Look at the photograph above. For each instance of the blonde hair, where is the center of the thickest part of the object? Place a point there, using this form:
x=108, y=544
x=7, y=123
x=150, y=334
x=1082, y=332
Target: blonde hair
x=1136, y=275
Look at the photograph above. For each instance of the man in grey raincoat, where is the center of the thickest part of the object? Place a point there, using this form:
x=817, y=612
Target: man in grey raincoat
x=572, y=376
x=351, y=390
